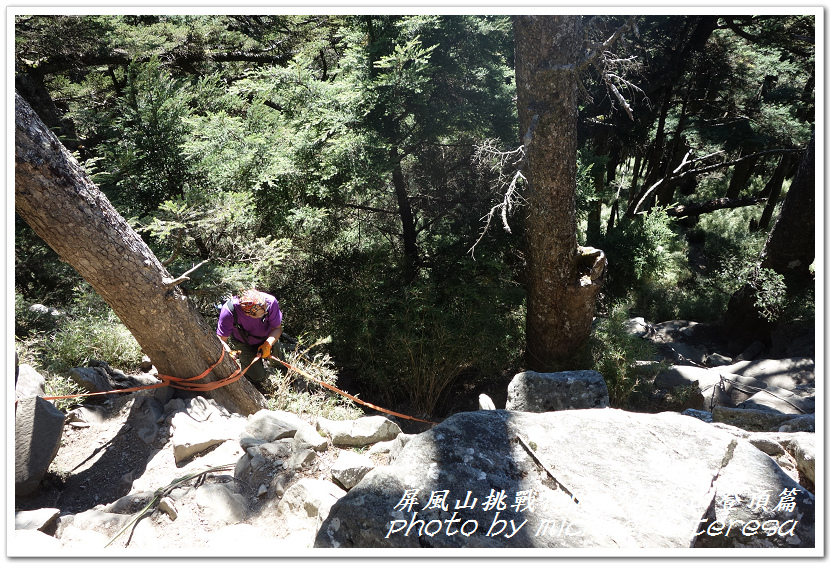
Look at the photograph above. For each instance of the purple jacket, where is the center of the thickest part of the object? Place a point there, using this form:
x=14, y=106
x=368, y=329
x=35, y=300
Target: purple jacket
x=258, y=329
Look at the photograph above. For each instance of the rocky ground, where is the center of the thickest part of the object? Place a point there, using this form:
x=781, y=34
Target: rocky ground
x=116, y=455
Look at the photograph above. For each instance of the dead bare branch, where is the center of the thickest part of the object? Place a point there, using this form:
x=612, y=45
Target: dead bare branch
x=184, y=277
x=601, y=48
x=502, y=163
x=676, y=175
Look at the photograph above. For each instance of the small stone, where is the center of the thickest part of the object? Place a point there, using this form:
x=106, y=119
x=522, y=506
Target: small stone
x=308, y=437
x=302, y=458
x=257, y=462
x=716, y=360
x=39, y=519
x=146, y=364
x=485, y=403
x=167, y=506
x=350, y=468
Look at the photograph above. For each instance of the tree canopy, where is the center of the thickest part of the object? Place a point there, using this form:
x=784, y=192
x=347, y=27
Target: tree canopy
x=347, y=164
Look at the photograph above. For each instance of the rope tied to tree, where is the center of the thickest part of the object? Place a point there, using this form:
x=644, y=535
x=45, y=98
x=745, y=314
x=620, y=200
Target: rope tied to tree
x=187, y=384
x=182, y=383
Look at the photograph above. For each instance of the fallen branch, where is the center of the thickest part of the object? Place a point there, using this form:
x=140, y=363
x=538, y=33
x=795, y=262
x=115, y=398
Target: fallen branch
x=163, y=492
x=696, y=209
x=676, y=175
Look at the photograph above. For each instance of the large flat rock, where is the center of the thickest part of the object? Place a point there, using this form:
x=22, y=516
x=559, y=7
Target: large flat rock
x=617, y=480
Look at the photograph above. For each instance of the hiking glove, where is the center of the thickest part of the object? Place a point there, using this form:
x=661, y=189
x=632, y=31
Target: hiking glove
x=265, y=349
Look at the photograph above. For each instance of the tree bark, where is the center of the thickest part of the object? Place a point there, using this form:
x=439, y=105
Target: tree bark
x=789, y=250
x=31, y=87
x=740, y=177
x=563, y=279
x=791, y=245
x=57, y=199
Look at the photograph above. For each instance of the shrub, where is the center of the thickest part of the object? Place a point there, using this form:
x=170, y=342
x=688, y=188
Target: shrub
x=693, y=300
x=424, y=342
x=292, y=391
x=88, y=329
x=58, y=385
x=614, y=353
x=30, y=351
x=727, y=237
x=641, y=252
x=101, y=338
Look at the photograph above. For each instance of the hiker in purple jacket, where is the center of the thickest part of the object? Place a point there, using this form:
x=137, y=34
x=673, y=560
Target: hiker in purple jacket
x=254, y=320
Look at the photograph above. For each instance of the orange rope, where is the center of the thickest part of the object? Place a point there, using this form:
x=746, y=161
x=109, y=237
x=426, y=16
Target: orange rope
x=187, y=384
x=175, y=382
x=352, y=397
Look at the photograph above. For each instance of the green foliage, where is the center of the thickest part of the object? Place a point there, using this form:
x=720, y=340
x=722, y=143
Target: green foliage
x=88, y=329
x=223, y=228
x=769, y=289
x=640, y=252
x=414, y=346
x=141, y=162
x=727, y=237
x=292, y=391
x=615, y=352
x=695, y=298
x=724, y=250
x=61, y=385
x=589, y=175
x=771, y=296
x=102, y=338
x=39, y=274
x=680, y=396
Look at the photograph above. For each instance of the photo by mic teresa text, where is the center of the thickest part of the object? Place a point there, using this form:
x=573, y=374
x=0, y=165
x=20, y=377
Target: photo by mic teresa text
x=504, y=516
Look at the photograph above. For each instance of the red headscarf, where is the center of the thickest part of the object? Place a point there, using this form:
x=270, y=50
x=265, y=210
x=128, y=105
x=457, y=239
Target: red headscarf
x=252, y=301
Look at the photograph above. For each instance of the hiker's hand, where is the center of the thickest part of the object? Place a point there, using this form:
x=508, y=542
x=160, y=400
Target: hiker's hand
x=234, y=354
x=265, y=349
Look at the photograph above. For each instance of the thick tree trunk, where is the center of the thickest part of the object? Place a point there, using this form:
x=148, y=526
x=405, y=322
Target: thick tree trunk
x=31, y=87
x=656, y=164
x=57, y=199
x=602, y=176
x=563, y=279
x=791, y=245
x=789, y=250
x=594, y=229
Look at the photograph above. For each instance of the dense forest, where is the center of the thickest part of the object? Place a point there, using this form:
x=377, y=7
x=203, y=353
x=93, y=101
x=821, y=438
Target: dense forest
x=375, y=174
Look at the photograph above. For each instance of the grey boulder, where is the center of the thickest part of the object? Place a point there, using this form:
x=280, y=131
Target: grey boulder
x=530, y=391
x=38, y=427
x=600, y=478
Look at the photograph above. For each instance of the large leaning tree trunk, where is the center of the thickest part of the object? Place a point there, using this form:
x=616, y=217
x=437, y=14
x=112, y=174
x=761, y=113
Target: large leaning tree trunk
x=789, y=250
x=563, y=278
x=58, y=200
